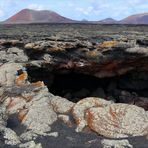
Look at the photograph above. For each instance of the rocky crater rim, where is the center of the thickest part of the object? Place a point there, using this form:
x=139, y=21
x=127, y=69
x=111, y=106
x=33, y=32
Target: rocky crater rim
x=74, y=69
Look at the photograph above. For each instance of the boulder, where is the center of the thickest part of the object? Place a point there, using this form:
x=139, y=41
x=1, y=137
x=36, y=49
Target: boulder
x=82, y=106
x=118, y=120
x=61, y=105
x=8, y=73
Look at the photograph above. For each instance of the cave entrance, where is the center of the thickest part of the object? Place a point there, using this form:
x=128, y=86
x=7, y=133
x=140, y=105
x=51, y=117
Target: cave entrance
x=71, y=85
x=75, y=86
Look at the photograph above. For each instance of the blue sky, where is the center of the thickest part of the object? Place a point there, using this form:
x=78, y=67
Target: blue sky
x=77, y=9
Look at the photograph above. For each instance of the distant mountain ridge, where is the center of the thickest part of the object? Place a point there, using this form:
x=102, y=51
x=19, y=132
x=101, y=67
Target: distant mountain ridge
x=47, y=16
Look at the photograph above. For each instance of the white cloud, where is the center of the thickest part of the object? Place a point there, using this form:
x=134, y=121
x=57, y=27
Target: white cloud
x=95, y=8
x=117, y=9
x=1, y=13
x=36, y=7
x=4, y=5
x=85, y=11
x=71, y=4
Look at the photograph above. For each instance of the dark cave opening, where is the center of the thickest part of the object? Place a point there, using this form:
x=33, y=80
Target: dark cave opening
x=76, y=86
x=71, y=85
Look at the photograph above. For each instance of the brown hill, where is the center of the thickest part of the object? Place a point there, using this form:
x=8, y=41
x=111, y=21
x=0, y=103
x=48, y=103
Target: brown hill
x=136, y=19
x=108, y=21
x=34, y=16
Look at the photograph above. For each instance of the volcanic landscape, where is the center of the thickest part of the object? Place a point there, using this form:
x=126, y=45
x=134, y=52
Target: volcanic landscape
x=73, y=86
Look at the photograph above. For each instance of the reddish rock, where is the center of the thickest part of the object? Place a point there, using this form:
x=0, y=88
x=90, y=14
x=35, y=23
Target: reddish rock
x=118, y=120
x=82, y=106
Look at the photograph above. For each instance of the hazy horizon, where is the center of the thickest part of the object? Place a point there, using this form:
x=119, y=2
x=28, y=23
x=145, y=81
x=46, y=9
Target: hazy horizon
x=91, y=10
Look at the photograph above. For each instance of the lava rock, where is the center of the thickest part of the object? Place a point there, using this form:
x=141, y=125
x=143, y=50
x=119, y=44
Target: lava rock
x=116, y=143
x=118, y=120
x=80, y=108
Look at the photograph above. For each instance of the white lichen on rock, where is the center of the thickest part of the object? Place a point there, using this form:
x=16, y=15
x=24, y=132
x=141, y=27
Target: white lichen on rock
x=61, y=105
x=53, y=134
x=40, y=115
x=8, y=73
x=84, y=104
x=107, y=143
x=118, y=120
x=11, y=137
x=30, y=144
